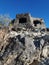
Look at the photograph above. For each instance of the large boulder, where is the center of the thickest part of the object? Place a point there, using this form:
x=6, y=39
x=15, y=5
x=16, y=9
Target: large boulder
x=24, y=44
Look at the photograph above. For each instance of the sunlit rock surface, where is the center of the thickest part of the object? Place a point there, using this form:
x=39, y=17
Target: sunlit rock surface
x=26, y=42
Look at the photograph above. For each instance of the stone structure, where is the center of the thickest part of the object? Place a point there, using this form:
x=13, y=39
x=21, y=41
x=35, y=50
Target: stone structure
x=29, y=20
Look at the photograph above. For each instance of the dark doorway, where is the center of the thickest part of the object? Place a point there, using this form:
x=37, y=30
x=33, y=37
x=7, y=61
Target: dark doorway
x=36, y=22
x=22, y=20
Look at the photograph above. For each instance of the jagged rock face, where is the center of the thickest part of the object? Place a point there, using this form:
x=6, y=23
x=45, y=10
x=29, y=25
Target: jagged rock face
x=24, y=46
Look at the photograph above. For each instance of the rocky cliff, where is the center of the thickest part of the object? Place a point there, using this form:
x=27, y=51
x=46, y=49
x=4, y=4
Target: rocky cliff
x=26, y=42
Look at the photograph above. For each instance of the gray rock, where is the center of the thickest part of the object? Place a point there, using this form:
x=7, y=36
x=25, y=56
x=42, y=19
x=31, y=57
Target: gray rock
x=26, y=43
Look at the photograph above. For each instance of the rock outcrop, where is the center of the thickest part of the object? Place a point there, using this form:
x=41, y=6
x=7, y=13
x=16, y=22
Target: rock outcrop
x=26, y=42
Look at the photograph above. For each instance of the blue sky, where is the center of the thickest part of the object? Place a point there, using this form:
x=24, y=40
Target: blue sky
x=37, y=8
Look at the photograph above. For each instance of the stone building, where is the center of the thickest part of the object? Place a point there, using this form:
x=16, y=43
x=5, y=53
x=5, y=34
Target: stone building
x=29, y=20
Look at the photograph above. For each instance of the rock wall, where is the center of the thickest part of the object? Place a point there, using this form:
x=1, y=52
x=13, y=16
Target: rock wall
x=24, y=43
